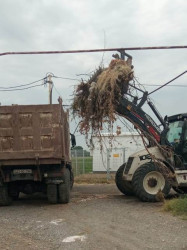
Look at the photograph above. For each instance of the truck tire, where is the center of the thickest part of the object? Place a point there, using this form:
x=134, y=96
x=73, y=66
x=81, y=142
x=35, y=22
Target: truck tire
x=52, y=193
x=13, y=192
x=15, y=196
x=124, y=186
x=64, y=188
x=5, y=199
x=71, y=179
x=149, y=184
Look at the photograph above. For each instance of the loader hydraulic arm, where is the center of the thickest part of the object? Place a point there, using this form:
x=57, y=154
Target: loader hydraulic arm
x=133, y=112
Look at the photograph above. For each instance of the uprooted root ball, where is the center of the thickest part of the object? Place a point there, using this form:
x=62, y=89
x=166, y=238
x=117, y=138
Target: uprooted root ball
x=95, y=101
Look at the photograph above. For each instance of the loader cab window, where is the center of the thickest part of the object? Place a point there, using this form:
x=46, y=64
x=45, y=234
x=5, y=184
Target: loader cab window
x=175, y=132
x=185, y=132
x=185, y=140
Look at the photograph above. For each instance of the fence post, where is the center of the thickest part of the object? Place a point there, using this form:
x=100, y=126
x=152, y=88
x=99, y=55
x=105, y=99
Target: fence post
x=83, y=162
x=108, y=164
x=76, y=162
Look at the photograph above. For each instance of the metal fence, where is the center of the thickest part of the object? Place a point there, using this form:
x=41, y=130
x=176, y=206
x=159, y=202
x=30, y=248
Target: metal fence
x=81, y=161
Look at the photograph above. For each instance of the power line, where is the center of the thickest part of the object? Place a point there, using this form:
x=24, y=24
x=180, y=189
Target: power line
x=22, y=85
x=67, y=78
x=167, y=83
x=11, y=88
x=19, y=87
x=91, y=50
x=2, y=90
x=155, y=85
x=57, y=90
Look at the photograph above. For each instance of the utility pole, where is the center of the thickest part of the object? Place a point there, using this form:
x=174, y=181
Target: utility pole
x=49, y=81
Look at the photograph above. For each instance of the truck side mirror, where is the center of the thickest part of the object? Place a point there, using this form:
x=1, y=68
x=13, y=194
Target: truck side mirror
x=73, y=140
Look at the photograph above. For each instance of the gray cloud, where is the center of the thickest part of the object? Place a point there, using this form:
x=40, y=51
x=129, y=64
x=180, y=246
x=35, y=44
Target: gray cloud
x=66, y=25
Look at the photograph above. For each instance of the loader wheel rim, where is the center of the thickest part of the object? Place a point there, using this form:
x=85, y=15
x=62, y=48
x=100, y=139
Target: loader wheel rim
x=153, y=182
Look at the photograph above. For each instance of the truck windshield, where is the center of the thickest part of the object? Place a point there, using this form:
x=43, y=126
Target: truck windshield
x=175, y=131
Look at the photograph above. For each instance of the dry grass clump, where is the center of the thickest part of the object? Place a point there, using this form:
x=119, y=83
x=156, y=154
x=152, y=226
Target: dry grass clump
x=95, y=100
x=94, y=179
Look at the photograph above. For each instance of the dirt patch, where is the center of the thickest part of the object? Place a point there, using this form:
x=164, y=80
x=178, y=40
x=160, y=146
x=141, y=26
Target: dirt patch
x=94, y=179
x=99, y=214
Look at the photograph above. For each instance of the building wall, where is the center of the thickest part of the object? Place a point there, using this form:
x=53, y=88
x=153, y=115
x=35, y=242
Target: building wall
x=112, y=157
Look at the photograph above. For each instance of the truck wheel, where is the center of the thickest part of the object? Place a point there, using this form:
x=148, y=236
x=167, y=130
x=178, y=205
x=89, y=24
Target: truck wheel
x=13, y=191
x=64, y=188
x=52, y=193
x=148, y=182
x=71, y=179
x=124, y=186
x=5, y=199
x=15, y=196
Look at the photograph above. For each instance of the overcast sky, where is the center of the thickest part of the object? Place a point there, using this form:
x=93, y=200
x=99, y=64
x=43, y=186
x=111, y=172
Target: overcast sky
x=81, y=24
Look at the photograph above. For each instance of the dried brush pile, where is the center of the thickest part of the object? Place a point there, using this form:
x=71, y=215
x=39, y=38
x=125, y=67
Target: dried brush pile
x=95, y=101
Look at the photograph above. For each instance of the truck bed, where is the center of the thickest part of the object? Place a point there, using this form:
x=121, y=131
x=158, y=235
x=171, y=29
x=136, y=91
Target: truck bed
x=30, y=133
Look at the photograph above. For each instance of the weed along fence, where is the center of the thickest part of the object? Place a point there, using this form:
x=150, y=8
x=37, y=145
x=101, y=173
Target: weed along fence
x=81, y=161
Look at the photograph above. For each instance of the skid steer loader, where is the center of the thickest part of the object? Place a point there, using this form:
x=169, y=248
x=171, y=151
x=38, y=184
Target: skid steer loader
x=163, y=163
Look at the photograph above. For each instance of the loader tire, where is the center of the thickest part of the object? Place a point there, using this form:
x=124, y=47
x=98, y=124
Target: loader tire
x=149, y=184
x=64, y=188
x=184, y=189
x=52, y=193
x=5, y=199
x=124, y=186
x=180, y=190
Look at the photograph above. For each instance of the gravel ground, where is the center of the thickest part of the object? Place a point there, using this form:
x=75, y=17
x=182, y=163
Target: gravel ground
x=98, y=217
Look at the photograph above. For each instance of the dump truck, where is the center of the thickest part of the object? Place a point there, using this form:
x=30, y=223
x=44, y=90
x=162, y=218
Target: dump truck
x=35, y=152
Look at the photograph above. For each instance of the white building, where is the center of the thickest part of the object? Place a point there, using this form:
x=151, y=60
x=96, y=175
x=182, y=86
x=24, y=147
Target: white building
x=110, y=158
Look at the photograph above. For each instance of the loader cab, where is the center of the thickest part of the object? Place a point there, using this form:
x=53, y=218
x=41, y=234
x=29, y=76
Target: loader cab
x=177, y=135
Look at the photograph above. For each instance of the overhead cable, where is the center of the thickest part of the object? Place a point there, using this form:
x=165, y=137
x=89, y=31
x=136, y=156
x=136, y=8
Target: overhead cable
x=67, y=78
x=157, y=85
x=22, y=85
x=17, y=89
x=91, y=50
x=167, y=83
x=57, y=91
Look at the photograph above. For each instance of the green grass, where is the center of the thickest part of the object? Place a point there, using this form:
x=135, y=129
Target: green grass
x=177, y=206
x=82, y=165
x=83, y=172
